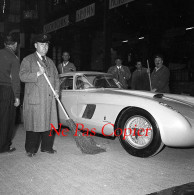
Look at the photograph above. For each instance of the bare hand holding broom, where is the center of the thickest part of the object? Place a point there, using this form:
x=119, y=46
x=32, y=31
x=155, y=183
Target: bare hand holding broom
x=86, y=144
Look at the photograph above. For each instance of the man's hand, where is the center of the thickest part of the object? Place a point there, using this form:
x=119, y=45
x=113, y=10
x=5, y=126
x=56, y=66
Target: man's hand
x=41, y=71
x=153, y=90
x=56, y=94
x=17, y=102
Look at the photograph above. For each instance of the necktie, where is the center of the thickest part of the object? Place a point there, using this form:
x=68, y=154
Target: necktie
x=44, y=59
x=45, y=64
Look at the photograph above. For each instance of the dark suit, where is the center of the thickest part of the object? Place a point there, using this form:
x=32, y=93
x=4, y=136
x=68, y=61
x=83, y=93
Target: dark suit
x=67, y=68
x=122, y=74
x=160, y=79
x=9, y=90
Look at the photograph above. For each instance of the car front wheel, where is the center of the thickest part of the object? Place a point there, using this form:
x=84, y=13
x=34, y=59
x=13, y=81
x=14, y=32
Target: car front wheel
x=139, y=133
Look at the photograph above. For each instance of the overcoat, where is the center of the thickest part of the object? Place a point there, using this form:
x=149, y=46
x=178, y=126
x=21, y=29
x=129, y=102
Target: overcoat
x=122, y=75
x=39, y=106
x=160, y=79
x=140, y=80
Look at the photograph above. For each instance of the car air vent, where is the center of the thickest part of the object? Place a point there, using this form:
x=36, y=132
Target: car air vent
x=89, y=111
x=159, y=95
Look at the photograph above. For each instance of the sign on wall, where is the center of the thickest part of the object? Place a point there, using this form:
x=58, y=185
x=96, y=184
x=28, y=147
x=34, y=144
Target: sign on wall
x=57, y=24
x=117, y=3
x=85, y=12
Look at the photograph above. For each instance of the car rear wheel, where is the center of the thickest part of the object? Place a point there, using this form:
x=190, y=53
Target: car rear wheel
x=140, y=133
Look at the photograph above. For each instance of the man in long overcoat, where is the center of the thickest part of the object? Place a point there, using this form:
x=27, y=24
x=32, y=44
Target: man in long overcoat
x=39, y=107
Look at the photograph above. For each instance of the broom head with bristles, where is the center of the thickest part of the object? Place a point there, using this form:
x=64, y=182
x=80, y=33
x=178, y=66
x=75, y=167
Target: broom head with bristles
x=86, y=144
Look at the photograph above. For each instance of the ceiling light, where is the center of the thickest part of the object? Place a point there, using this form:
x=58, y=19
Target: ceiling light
x=189, y=28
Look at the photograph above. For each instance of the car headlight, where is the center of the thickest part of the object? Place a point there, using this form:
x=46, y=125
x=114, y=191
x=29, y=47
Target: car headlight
x=166, y=105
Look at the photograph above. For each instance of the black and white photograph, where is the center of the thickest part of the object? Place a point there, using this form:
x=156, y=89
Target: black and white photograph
x=96, y=97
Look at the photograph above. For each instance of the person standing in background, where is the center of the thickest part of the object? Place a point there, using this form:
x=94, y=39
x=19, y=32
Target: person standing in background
x=120, y=72
x=140, y=79
x=39, y=108
x=160, y=76
x=9, y=92
x=66, y=66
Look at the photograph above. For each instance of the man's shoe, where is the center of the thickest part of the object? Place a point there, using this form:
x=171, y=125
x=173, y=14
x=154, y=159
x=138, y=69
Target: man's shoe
x=29, y=154
x=11, y=150
x=49, y=151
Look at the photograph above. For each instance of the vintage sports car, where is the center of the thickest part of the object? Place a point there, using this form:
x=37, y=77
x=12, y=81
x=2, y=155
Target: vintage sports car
x=143, y=121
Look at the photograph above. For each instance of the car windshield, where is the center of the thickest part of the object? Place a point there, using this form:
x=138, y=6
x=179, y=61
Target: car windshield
x=96, y=81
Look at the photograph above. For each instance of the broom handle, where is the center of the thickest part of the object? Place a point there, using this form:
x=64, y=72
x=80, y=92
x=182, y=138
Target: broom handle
x=149, y=75
x=56, y=96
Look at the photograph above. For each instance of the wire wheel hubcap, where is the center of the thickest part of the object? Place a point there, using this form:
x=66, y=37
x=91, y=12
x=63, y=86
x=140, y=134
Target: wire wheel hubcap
x=138, y=132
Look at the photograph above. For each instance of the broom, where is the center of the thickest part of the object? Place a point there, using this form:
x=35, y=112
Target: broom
x=86, y=144
x=149, y=75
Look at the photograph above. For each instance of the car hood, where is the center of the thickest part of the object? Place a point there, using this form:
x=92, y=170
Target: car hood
x=180, y=103
x=182, y=99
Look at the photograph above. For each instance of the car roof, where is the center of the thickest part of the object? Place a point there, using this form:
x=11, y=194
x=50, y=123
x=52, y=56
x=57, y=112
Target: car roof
x=81, y=73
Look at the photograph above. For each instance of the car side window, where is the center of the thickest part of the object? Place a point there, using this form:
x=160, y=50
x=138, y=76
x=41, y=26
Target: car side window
x=79, y=83
x=98, y=83
x=66, y=83
x=82, y=83
x=105, y=82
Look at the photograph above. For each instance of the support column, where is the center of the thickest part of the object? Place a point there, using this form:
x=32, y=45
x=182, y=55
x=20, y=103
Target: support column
x=107, y=36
